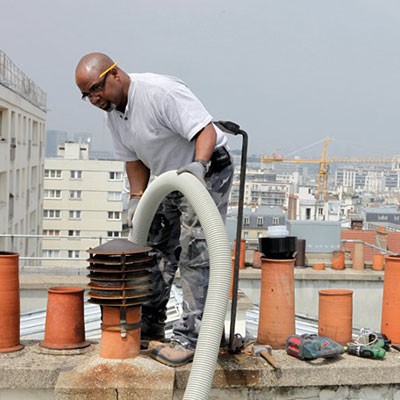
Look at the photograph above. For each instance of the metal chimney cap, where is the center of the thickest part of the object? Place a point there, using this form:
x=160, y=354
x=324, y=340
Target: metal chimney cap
x=119, y=246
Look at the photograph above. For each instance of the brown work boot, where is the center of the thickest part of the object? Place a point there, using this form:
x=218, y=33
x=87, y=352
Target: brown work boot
x=172, y=354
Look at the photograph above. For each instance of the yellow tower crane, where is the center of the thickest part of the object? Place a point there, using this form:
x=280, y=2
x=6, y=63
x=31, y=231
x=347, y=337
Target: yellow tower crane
x=323, y=161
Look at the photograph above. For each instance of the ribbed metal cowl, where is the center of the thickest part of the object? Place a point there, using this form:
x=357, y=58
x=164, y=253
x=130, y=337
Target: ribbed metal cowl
x=120, y=273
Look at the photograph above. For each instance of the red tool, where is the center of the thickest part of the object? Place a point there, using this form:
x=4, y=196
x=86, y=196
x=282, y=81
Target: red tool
x=310, y=347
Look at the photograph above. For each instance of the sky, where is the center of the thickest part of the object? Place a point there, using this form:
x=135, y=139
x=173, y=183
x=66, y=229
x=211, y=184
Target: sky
x=289, y=72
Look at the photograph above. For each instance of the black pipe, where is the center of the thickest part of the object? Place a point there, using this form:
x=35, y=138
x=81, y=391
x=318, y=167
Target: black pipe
x=232, y=128
x=301, y=253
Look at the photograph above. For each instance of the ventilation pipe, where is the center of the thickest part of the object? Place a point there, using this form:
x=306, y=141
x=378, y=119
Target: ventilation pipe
x=207, y=350
x=358, y=256
x=277, y=302
x=120, y=282
x=335, y=314
x=9, y=302
x=390, y=324
x=65, y=325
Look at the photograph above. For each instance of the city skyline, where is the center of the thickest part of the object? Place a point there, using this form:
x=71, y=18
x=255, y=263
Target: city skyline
x=290, y=73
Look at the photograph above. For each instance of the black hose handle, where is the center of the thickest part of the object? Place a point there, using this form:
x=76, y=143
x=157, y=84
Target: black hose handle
x=229, y=127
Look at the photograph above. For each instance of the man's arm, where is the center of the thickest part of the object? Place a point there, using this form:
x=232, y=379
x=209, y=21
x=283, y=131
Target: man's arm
x=205, y=143
x=138, y=177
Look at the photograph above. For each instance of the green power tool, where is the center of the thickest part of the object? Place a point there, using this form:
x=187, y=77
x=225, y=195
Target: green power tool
x=366, y=351
x=370, y=344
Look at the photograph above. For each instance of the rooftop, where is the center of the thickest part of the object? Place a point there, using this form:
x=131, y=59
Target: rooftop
x=16, y=80
x=35, y=373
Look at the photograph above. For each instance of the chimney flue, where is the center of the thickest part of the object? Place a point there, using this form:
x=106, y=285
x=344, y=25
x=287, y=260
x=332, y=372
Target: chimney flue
x=120, y=282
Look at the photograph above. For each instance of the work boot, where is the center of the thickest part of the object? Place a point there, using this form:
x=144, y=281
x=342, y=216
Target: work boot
x=172, y=354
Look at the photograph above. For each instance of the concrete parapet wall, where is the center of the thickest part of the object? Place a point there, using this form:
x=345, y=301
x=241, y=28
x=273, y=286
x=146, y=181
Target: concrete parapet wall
x=32, y=374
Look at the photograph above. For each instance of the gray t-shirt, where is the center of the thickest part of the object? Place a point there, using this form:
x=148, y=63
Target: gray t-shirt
x=161, y=118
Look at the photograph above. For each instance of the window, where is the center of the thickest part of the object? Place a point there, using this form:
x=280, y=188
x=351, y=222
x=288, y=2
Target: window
x=13, y=146
x=246, y=221
x=113, y=234
x=3, y=184
x=114, y=215
x=51, y=232
x=114, y=196
x=275, y=220
x=73, y=253
x=75, y=194
x=51, y=253
x=52, y=194
x=18, y=182
x=308, y=213
x=25, y=130
x=76, y=174
x=35, y=133
x=320, y=211
x=34, y=176
x=2, y=130
x=12, y=123
x=115, y=176
x=74, y=214
x=51, y=214
x=52, y=173
x=74, y=233
x=260, y=221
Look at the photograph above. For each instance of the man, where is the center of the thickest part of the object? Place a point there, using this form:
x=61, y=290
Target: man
x=157, y=125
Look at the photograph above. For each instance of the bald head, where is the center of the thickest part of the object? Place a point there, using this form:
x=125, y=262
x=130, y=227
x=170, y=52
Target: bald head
x=104, y=86
x=91, y=66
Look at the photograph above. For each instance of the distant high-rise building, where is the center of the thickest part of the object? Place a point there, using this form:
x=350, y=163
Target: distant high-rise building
x=82, y=137
x=22, y=145
x=53, y=139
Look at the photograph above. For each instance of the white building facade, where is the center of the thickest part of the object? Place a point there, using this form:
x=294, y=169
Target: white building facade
x=22, y=143
x=361, y=179
x=83, y=204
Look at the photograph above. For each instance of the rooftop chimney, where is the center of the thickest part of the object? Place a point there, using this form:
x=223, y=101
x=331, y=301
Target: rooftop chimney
x=357, y=224
x=120, y=282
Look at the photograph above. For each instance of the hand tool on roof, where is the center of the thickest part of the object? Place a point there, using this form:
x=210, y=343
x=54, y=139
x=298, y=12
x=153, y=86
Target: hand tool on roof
x=265, y=351
x=310, y=347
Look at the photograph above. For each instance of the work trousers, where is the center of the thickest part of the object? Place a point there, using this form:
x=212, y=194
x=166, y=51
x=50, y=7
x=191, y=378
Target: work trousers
x=179, y=241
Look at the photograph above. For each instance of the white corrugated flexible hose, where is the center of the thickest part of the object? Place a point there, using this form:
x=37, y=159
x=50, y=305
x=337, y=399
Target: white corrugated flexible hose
x=209, y=340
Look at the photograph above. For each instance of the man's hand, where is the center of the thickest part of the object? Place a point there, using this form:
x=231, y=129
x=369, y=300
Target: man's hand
x=131, y=209
x=196, y=168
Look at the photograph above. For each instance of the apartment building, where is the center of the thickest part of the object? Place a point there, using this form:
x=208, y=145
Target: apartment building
x=262, y=193
x=22, y=143
x=376, y=179
x=83, y=204
x=265, y=187
x=256, y=220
